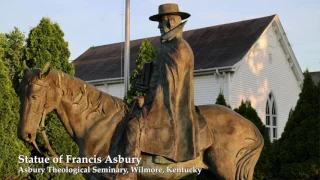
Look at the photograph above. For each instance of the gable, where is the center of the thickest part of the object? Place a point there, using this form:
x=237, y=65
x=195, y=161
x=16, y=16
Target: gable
x=281, y=38
x=269, y=66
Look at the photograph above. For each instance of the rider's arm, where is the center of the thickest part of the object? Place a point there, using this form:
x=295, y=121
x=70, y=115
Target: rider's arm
x=153, y=84
x=142, y=83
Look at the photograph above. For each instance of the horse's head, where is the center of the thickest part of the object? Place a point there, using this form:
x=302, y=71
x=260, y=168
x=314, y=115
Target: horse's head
x=38, y=96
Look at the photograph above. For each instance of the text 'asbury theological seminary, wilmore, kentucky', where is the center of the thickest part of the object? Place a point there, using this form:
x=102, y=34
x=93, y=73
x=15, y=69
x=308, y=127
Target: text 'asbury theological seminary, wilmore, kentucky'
x=94, y=169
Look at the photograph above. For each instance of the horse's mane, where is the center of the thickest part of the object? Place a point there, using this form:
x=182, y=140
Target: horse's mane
x=100, y=101
x=78, y=91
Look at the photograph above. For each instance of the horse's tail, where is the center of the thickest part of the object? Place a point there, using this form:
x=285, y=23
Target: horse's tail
x=248, y=156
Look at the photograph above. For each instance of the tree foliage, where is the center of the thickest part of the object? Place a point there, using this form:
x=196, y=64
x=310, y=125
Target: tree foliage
x=299, y=146
x=13, y=45
x=221, y=100
x=46, y=43
x=263, y=169
x=11, y=146
x=146, y=54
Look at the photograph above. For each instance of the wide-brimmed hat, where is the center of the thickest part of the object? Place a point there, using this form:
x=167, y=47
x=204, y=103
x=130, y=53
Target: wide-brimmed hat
x=169, y=9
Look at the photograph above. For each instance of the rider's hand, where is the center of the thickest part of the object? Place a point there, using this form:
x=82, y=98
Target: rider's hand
x=140, y=100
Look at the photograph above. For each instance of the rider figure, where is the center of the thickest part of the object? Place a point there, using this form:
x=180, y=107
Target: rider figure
x=167, y=123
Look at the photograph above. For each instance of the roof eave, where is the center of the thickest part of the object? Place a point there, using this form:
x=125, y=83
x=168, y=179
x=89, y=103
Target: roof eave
x=197, y=72
x=218, y=70
x=106, y=81
x=288, y=50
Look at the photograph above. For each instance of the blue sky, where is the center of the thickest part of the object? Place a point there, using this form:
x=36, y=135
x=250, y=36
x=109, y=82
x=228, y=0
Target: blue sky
x=98, y=22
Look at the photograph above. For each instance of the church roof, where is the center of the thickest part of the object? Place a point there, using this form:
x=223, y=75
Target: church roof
x=213, y=47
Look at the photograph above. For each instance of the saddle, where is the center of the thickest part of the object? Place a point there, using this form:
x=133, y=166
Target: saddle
x=204, y=138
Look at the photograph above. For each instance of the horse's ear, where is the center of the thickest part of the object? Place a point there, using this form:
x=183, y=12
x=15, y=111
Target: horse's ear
x=45, y=71
x=25, y=67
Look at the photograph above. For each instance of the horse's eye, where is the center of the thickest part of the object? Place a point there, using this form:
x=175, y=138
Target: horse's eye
x=34, y=97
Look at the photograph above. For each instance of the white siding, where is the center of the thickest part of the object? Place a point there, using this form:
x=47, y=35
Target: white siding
x=258, y=75
x=116, y=90
x=207, y=88
x=102, y=88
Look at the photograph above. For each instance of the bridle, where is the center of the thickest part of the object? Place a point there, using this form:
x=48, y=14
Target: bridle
x=48, y=146
x=45, y=137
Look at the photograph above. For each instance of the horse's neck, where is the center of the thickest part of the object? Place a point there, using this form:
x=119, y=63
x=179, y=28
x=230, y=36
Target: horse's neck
x=89, y=115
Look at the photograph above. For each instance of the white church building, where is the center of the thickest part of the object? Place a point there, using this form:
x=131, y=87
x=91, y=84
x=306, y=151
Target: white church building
x=247, y=60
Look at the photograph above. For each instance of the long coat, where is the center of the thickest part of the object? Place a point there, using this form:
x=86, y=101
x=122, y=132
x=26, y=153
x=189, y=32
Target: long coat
x=170, y=125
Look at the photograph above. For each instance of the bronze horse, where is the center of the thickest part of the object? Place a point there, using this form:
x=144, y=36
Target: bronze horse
x=96, y=120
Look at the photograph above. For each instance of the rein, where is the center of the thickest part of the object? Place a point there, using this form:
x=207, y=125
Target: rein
x=54, y=155
x=45, y=137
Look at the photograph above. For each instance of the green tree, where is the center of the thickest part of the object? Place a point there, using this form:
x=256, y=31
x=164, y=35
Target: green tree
x=263, y=169
x=221, y=100
x=13, y=44
x=11, y=146
x=146, y=54
x=299, y=145
x=45, y=43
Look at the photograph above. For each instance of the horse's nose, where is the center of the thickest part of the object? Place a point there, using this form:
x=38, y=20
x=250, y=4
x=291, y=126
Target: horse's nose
x=27, y=137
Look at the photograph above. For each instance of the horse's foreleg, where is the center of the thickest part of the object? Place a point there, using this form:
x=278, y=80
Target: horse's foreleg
x=220, y=162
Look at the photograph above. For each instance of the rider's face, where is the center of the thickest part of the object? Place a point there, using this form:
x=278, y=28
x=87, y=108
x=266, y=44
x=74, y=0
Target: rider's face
x=164, y=25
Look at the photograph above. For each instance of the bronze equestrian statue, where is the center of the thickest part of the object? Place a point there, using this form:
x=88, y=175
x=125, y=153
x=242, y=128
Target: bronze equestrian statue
x=166, y=130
